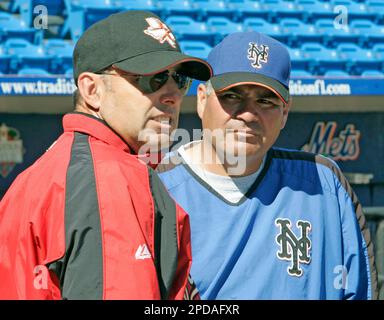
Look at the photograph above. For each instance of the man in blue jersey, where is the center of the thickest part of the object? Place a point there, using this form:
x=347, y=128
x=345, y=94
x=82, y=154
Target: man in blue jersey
x=267, y=223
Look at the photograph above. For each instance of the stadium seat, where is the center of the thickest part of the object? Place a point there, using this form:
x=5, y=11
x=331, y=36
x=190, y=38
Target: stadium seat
x=185, y=28
x=358, y=59
x=280, y=9
x=299, y=32
x=83, y=13
x=372, y=74
x=61, y=51
x=299, y=60
x=148, y=5
x=11, y=27
x=213, y=8
x=336, y=73
x=260, y=25
x=69, y=72
x=33, y=72
x=26, y=55
x=322, y=59
x=196, y=48
x=295, y=73
x=369, y=32
x=244, y=9
x=314, y=10
x=5, y=61
x=378, y=50
x=177, y=8
x=376, y=7
x=221, y=27
x=333, y=36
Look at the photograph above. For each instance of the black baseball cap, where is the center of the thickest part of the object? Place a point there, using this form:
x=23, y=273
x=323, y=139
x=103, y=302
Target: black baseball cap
x=134, y=41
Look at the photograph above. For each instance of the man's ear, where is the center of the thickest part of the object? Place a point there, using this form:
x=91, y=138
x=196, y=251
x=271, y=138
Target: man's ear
x=201, y=99
x=89, y=87
x=286, y=109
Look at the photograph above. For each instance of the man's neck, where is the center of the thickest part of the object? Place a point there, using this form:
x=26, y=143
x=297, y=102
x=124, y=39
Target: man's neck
x=205, y=155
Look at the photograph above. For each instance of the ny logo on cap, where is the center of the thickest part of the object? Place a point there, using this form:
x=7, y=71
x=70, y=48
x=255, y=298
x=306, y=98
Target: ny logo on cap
x=257, y=54
x=159, y=31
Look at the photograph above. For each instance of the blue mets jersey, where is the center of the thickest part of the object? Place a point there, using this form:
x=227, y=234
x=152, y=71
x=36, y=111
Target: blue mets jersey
x=298, y=233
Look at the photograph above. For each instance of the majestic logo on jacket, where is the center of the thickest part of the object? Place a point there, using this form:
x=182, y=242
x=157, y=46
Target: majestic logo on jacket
x=293, y=249
x=323, y=141
x=160, y=32
x=142, y=252
x=11, y=149
x=257, y=54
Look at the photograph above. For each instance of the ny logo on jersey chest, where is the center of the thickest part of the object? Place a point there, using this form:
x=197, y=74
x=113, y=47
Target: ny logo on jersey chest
x=293, y=249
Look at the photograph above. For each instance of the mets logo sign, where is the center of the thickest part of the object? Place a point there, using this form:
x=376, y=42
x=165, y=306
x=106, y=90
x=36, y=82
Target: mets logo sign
x=11, y=149
x=293, y=249
x=257, y=54
x=344, y=147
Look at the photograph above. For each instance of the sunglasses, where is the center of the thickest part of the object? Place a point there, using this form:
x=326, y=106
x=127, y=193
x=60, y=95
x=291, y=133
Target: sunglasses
x=152, y=83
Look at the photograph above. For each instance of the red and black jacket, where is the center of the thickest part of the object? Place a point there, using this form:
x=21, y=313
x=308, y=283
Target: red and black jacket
x=88, y=220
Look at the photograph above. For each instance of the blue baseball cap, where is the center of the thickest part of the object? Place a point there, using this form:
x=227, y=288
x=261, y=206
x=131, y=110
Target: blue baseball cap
x=251, y=58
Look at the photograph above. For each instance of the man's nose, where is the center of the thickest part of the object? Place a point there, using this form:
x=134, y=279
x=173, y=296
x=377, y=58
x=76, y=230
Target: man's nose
x=170, y=93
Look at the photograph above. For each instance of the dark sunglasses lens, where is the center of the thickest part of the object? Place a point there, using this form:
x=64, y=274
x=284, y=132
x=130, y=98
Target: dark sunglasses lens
x=158, y=80
x=153, y=83
x=183, y=82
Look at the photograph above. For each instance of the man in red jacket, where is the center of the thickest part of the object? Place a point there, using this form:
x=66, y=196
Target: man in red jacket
x=89, y=220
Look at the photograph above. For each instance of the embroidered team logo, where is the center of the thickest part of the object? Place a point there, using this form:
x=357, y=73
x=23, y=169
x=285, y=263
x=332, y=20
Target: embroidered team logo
x=293, y=249
x=11, y=149
x=159, y=31
x=257, y=54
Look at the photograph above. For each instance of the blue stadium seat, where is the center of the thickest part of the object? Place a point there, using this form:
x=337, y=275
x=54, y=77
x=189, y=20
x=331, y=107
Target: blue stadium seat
x=358, y=59
x=299, y=32
x=296, y=73
x=281, y=9
x=333, y=36
x=221, y=27
x=33, y=72
x=5, y=61
x=369, y=32
x=61, y=51
x=177, y=8
x=11, y=27
x=378, y=50
x=26, y=55
x=244, y=9
x=213, y=8
x=322, y=59
x=83, y=13
x=27, y=7
x=69, y=72
x=372, y=74
x=336, y=73
x=314, y=10
x=260, y=25
x=185, y=28
x=196, y=48
x=148, y=5
x=299, y=60
x=376, y=7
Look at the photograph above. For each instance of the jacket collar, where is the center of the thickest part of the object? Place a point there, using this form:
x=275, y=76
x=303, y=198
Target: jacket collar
x=86, y=123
